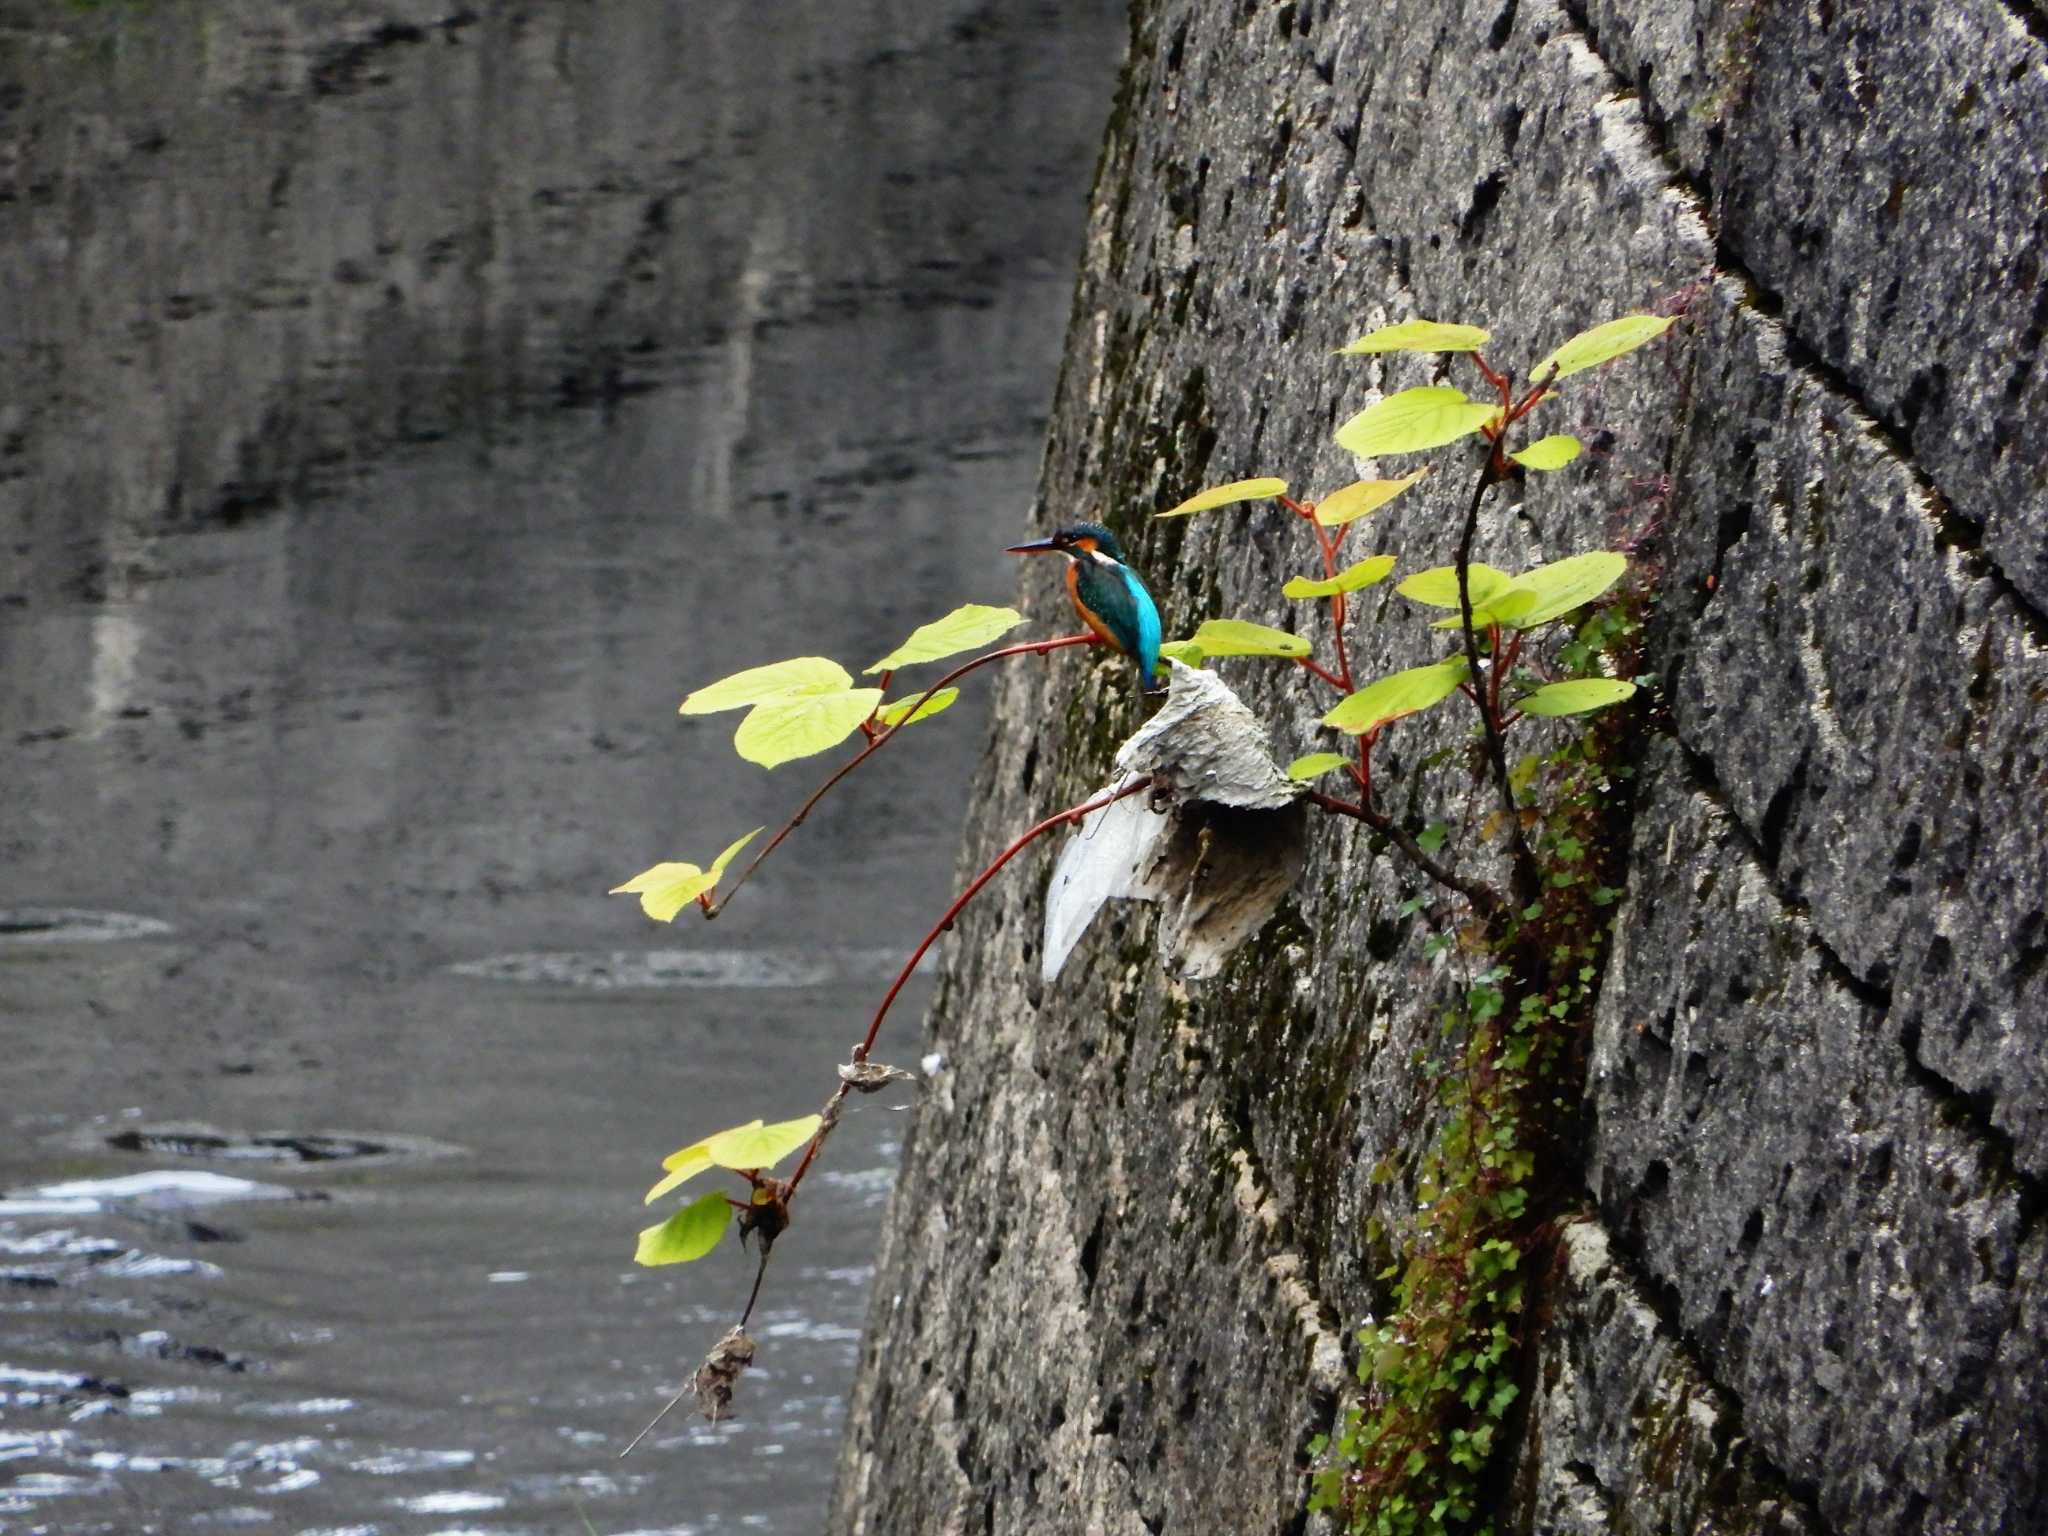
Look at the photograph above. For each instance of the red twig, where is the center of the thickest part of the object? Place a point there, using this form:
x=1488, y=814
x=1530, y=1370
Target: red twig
x=1071, y=813
x=876, y=742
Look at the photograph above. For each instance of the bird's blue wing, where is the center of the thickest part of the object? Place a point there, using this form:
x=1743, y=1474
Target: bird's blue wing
x=1145, y=630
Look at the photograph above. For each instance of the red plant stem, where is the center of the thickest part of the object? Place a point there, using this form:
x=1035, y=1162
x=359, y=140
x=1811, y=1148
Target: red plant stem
x=1309, y=666
x=1071, y=813
x=875, y=744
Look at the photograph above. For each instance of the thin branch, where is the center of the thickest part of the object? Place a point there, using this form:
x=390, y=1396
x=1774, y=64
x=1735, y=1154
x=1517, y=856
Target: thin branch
x=1309, y=666
x=1522, y=863
x=1482, y=896
x=875, y=744
x=860, y=1052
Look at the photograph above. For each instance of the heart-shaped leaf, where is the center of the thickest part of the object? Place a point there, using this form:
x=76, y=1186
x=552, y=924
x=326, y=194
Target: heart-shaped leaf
x=1413, y=420
x=1404, y=693
x=1364, y=574
x=967, y=628
x=1260, y=489
x=689, y=1234
x=1417, y=336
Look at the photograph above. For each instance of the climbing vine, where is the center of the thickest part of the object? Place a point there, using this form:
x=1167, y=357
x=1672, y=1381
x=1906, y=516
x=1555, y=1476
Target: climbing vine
x=1438, y=1375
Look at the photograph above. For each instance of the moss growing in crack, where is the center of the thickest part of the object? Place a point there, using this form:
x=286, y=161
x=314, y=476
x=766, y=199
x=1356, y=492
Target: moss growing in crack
x=1441, y=1374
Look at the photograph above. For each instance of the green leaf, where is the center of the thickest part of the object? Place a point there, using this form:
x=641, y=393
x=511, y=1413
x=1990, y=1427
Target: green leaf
x=682, y=1166
x=1364, y=574
x=966, y=628
x=689, y=1234
x=1577, y=697
x=1603, y=343
x=1362, y=498
x=1235, y=637
x=1505, y=607
x=758, y=1146
x=770, y=682
x=1438, y=586
x=1417, y=336
x=1413, y=420
x=1186, y=652
x=1570, y=583
x=1553, y=452
x=1390, y=698
x=666, y=889
x=1224, y=495
x=1315, y=765
x=802, y=724
x=899, y=713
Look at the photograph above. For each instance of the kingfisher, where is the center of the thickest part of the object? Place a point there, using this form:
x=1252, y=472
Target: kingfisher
x=1106, y=592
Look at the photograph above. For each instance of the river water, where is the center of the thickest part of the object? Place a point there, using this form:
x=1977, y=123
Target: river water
x=405, y=405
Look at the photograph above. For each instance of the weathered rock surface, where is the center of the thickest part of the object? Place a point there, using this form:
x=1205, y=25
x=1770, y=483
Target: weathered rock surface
x=1129, y=1252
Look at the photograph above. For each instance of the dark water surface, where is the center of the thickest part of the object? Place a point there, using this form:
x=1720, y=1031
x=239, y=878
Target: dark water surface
x=404, y=406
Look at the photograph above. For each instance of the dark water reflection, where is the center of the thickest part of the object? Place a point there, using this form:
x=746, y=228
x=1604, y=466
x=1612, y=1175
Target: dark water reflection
x=407, y=405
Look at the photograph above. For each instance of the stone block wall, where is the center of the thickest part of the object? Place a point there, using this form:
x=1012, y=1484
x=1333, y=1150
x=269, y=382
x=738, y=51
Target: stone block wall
x=1800, y=1288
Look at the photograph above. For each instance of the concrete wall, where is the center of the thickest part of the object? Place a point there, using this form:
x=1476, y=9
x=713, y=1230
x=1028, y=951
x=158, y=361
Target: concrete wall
x=1801, y=1284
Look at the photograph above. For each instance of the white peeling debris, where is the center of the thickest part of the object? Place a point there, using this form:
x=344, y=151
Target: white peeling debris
x=1218, y=842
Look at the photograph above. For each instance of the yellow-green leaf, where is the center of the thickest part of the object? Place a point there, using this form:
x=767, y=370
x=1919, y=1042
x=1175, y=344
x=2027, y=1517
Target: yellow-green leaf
x=802, y=724
x=755, y=1145
x=1553, y=452
x=1235, y=637
x=1417, y=336
x=1361, y=498
x=1565, y=584
x=1438, y=586
x=682, y=1167
x=1364, y=574
x=966, y=628
x=1224, y=495
x=1413, y=420
x=1506, y=606
x=1315, y=765
x=1404, y=693
x=1186, y=652
x=1577, y=697
x=770, y=682
x=899, y=713
x=1603, y=343
x=666, y=889
x=689, y=1234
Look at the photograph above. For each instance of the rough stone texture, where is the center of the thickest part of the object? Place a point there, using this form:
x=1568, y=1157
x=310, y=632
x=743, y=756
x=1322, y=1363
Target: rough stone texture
x=1129, y=1249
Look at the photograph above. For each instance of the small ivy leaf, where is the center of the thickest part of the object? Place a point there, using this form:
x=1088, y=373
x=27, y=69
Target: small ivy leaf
x=1362, y=498
x=757, y=684
x=967, y=628
x=1438, y=586
x=1579, y=696
x=1364, y=574
x=689, y=1234
x=666, y=889
x=1603, y=343
x=899, y=713
x=1186, y=652
x=1431, y=837
x=802, y=724
x=1553, y=452
x=758, y=1146
x=1236, y=637
x=1413, y=420
x=1225, y=495
x=1315, y=764
x=1404, y=693
x=1417, y=336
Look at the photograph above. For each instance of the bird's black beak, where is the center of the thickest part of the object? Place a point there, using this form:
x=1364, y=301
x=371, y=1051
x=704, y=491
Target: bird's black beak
x=1037, y=547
